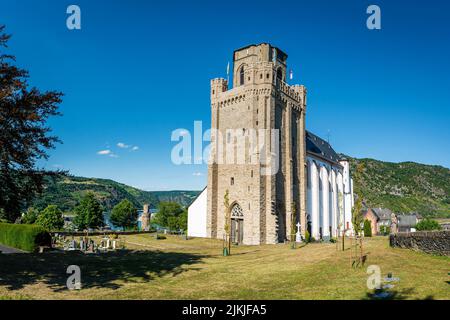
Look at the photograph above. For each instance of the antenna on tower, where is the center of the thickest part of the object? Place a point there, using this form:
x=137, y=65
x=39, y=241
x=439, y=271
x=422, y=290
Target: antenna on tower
x=228, y=72
x=328, y=136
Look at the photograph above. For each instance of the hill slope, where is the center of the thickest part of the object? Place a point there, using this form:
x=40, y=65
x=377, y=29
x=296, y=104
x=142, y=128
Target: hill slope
x=404, y=187
x=66, y=191
x=401, y=187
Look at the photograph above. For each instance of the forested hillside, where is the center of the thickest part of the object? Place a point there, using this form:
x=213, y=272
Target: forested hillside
x=404, y=187
x=66, y=191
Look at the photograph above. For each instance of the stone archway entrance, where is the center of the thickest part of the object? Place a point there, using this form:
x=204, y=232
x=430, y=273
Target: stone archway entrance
x=237, y=224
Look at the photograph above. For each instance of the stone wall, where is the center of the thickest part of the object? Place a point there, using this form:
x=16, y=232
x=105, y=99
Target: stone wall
x=434, y=242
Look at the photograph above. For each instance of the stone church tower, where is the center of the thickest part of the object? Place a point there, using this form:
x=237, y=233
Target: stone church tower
x=261, y=193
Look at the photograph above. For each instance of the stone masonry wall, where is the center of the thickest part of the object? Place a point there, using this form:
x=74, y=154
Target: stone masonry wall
x=434, y=242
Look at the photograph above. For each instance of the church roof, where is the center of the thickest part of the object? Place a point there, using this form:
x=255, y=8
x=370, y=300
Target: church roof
x=320, y=148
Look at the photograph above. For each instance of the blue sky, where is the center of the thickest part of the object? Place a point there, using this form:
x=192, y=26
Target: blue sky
x=138, y=70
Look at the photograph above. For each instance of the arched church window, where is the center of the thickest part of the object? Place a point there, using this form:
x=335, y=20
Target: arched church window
x=236, y=211
x=241, y=76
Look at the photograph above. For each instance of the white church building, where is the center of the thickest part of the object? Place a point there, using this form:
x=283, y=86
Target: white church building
x=329, y=194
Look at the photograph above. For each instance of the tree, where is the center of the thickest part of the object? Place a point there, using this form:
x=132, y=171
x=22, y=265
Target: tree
x=24, y=135
x=367, y=228
x=227, y=222
x=30, y=216
x=51, y=218
x=428, y=225
x=357, y=213
x=293, y=221
x=89, y=213
x=124, y=214
x=168, y=215
x=183, y=219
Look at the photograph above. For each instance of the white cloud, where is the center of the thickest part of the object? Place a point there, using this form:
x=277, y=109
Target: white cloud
x=135, y=148
x=113, y=155
x=104, y=152
x=197, y=174
x=123, y=145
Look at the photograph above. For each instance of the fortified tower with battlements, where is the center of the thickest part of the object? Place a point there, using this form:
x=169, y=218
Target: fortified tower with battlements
x=262, y=193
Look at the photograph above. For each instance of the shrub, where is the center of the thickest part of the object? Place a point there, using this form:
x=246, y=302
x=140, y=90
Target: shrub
x=367, y=228
x=385, y=230
x=307, y=236
x=428, y=225
x=30, y=216
x=24, y=236
x=160, y=237
x=51, y=218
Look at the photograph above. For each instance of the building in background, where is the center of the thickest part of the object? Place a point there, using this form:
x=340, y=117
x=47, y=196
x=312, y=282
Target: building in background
x=407, y=222
x=380, y=219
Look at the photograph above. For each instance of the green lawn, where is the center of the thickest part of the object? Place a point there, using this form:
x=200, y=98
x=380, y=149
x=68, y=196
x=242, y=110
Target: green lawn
x=195, y=269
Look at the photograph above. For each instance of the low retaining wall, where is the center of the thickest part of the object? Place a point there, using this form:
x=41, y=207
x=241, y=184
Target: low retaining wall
x=435, y=242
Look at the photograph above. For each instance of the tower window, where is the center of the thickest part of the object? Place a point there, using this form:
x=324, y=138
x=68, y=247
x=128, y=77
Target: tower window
x=267, y=76
x=261, y=76
x=241, y=76
x=279, y=75
x=251, y=173
x=232, y=181
x=213, y=91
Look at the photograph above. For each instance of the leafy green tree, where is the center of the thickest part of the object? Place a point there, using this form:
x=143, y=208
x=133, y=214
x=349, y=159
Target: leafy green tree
x=30, y=216
x=428, y=225
x=24, y=135
x=89, y=213
x=51, y=218
x=124, y=215
x=172, y=223
x=183, y=219
x=367, y=228
x=168, y=215
x=357, y=213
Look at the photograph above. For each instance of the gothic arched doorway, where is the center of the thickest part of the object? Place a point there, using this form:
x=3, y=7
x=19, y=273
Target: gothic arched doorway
x=237, y=224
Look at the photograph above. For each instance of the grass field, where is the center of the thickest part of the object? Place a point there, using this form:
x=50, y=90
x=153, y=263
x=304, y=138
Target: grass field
x=195, y=269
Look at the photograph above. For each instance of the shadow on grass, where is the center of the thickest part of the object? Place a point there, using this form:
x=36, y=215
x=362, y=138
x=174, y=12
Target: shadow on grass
x=105, y=270
x=396, y=295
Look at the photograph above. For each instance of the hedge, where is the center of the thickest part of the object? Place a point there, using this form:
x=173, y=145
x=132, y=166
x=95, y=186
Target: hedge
x=26, y=237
